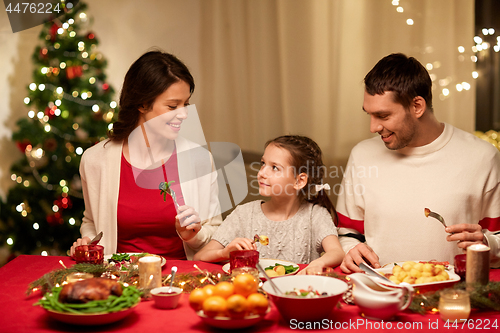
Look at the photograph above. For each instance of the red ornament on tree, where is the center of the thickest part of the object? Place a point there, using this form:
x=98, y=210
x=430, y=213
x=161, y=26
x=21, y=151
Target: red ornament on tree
x=105, y=86
x=90, y=35
x=50, y=144
x=21, y=145
x=43, y=53
x=53, y=31
x=73, y=71
x=51, y=112
x=54, y=219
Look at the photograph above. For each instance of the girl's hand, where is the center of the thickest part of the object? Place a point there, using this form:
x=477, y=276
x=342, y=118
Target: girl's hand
x=314, y=268
x=187, y=222
x=239, y=244
x=79, y=241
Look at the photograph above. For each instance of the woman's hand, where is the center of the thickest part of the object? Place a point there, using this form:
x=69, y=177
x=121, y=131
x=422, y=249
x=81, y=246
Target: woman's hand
x=187, y=222
x=79, y=241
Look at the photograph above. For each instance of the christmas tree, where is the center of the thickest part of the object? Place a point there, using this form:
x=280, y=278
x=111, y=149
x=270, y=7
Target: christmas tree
x=69, y=108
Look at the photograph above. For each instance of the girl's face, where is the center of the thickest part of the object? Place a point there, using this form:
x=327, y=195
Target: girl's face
x=276, y=175
x=170, y=105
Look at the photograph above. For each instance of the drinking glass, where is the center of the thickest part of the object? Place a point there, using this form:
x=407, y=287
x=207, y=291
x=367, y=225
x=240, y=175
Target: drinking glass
x=92, y=254
x=460, y=265
x=243, y=258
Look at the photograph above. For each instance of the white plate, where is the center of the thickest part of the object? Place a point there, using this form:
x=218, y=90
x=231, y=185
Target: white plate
x=163, y=260
x=266, y=263
x=229, y=323
x=90, y=318
x=387, y=269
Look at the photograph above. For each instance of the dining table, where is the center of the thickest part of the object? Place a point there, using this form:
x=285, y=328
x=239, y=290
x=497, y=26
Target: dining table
x=19, y=314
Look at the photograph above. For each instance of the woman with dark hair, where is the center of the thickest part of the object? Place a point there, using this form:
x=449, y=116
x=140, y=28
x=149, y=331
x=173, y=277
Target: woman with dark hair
x=117, y=173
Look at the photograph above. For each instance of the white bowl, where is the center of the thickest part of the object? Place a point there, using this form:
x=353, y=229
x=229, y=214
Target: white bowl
x=164, y=300
x=306, y=309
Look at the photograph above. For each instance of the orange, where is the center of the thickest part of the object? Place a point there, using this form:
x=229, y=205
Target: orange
x=237, y=306
x=215, y=306
x=209, y=289
x=245, y=284
x=257, y=303
x=224, y=289
x=196, y=298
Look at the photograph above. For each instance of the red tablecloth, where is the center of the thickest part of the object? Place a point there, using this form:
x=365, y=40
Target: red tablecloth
x=18, y=314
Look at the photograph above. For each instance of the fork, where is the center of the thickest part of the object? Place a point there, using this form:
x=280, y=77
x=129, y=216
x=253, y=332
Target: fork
x=438, y=217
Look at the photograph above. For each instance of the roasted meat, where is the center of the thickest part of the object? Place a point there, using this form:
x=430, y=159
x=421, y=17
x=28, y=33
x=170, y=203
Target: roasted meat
x=89, y=290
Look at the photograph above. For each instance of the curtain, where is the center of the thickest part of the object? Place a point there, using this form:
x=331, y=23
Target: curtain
x=274, y=67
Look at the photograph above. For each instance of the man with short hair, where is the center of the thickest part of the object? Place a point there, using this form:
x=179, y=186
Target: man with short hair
x=420, y=163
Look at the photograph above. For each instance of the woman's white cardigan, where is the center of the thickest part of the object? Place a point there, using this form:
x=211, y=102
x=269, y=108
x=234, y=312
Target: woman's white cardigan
x=100, y=174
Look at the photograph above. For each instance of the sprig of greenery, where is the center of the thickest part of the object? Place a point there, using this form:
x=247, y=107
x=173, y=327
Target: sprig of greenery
x=164, y=189
x=59, y=276
x=482, y=297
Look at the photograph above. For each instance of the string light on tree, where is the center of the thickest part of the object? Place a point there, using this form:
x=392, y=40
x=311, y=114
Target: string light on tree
x=68, y=87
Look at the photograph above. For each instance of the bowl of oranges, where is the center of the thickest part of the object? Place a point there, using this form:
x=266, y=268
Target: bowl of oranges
x=230, y=305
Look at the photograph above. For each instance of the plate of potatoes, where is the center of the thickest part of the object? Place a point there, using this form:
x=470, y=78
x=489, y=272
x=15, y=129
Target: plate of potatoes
x=422, y=275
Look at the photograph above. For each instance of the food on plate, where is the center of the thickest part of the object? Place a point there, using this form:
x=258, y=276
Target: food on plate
x=257, y=303
x=264, y=240
x=310, y=292
x=418, y=272
x=89, y=290
x=280, y=270
x=90, y=297
x=237, y=306
x=125, y=261
x=224, y=289
x=196, y=298
x=215, y=306
x=245, y=284
x=231, y=300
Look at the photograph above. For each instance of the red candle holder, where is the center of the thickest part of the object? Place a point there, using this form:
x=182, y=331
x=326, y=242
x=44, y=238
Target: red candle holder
x=460, y=265
x=92, y=254
x=243, y=258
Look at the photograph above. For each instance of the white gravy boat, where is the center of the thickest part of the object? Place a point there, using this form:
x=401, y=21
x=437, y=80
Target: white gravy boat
x=379, y=301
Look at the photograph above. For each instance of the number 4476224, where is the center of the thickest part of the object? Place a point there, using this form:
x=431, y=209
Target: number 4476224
x=477, y=324
x=33, y=8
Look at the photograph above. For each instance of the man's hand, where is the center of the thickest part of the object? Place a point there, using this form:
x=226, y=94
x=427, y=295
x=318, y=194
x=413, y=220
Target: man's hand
x=465, y=234
x=358, y=254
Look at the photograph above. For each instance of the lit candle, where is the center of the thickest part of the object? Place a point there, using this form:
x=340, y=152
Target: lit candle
x=478, y=264
x=454, y=305
x=150, y=272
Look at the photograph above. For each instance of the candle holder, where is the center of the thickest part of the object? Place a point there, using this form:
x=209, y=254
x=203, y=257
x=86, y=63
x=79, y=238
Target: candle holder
x=150, y=272
x=78, y=276
x=243, y=258
x=92, y=254
x=478, y=264
x=249, y=270
x=454, y=305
